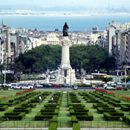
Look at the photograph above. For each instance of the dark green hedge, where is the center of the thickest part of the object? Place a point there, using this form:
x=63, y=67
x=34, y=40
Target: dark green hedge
x=76, y=126
x=113, y=116
x=105, y=109
x=127, y=119
x=42, y=117
x=3, y=108
x=74, y=119
x=13, y=116
x=53, y=126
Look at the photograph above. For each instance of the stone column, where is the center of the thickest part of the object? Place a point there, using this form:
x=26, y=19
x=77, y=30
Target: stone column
x=65, y=59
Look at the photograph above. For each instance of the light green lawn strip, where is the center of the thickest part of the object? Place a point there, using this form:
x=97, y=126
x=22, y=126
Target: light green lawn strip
x=7, y=93
x=64, y=117
x=103, y=124
x=25, y=124
x=122, y=92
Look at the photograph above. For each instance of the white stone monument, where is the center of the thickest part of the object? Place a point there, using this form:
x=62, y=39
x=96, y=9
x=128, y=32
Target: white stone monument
x=66, y=75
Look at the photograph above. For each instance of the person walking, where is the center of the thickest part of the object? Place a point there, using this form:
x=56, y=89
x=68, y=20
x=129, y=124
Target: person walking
x=52, y=99
x=40, y=99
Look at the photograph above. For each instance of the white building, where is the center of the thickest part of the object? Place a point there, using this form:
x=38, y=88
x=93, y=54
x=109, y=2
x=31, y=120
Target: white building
x=1, y=51
x=53, y=39
x=111, y=31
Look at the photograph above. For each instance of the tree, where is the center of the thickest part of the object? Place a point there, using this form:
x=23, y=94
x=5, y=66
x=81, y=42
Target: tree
x=89, y=58
x=39, y=59
x=109, y=63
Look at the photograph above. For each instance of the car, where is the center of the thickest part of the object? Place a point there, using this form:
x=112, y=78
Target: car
x=14, y=85
x=65, y=86
x=38, y=86
x=6, y=85
x=109, y=87
x=30, y=85
x=75, y=87
x=56, y=85
x=21, y=86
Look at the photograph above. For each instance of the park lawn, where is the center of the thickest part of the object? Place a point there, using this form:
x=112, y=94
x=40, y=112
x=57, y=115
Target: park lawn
x=8, y=93
x=63, y=117
x=25, y=124
x=122, y=92
x=98, y=121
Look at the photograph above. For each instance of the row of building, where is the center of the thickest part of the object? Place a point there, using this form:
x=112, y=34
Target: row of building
x=115, y=39
x=13, y=42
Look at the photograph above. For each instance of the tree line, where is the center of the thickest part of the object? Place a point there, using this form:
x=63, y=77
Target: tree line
x=44, y=57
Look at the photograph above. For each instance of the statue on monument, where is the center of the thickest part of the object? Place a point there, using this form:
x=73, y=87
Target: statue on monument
x=65, y=29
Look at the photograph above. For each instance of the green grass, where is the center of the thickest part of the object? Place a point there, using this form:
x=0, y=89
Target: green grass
x=25, y=124
x=103, y=124
x=122, y=92
x=7, y=93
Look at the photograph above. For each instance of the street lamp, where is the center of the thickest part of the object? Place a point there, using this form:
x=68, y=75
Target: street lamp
x=117, y=79
x=126, y=67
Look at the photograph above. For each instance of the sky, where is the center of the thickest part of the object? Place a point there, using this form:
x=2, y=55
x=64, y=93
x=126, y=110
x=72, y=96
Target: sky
x=65, y=5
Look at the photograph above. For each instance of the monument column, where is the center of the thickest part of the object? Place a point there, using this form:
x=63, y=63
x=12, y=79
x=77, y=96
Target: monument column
x=66, y=72
x=65, y=59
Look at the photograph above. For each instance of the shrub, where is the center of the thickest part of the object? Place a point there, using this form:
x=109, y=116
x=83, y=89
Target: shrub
x=125, y=107
x=28, y=105
x=40, y=117
x=54, y=119
x=90, y=116
x=3, y=108
x=100, y=104
x=76, y=126
x=105, y=109
x=127, y=119
x=13, y=116
x=72, y=112
x=74, y=119
x=53, y=126
x=113, y=116
x=26, y=110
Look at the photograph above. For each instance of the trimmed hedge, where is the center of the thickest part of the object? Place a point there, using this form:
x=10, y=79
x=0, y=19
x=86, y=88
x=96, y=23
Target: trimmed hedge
x=105, y=109
x=22, y=109
x=54, y=119
x=53, y=126
x=113, y=116
x=76, y=126
x=13, y=116
x=125, y=107
x=74, y=119
x=127, y=119
x=3, y=108
x=87, y=117
x=43, y=117
x=101, y=105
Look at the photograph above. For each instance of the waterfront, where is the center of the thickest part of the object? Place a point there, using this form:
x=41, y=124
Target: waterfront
x=50, y=23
